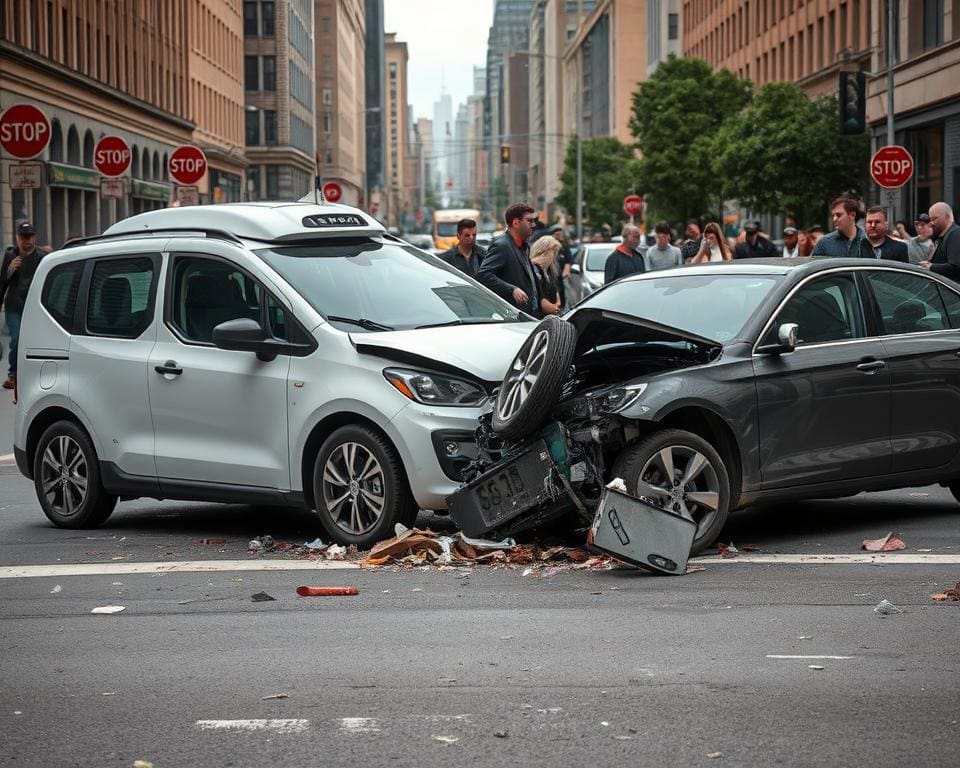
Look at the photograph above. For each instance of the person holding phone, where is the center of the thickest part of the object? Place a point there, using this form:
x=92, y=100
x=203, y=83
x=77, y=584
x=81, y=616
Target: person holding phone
x=713, y=247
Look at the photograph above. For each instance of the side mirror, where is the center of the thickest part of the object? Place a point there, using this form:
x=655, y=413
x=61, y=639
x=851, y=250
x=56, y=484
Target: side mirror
x=246, y=335
x=787, y=335
x=575, y=269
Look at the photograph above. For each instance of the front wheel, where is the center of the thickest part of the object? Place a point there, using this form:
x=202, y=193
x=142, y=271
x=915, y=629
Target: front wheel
x=360, y=488
x=66, y=475
x=682, y=472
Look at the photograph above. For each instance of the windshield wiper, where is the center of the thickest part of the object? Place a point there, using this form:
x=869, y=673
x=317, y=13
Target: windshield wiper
x=362, y=322
x=467, y=321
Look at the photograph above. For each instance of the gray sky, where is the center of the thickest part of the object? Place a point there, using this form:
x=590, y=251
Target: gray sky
x=445, y=39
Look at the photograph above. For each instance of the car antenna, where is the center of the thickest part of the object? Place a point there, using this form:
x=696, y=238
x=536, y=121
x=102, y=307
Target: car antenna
x=318, y=183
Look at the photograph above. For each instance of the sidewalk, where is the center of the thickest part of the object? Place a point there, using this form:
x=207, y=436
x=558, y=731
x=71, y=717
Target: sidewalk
x=6, y=405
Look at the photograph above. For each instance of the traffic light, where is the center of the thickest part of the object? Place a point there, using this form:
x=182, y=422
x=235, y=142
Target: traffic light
x=504, y=154
x=853, y=102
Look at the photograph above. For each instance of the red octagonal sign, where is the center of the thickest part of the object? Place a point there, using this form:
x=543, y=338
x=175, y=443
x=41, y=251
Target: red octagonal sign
x=332, y=192
x=111, y=156
x=24, y=131
x=632, y=205
x=891, y=167
x=187, y=164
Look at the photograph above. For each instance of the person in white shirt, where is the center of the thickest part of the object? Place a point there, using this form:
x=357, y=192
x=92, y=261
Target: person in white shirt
x=791, y=240
x=714, y=246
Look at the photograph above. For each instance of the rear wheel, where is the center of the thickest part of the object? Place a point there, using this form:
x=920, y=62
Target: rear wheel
x=360, y=488
x=66, y=475
x=682, y=472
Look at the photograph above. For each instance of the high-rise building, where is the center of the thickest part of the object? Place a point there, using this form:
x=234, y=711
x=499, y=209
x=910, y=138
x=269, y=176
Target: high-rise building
x=339, y=43
x=279, y=65
x=375, y=104
x=398, y=201
x=442, y=142
x=664, y=32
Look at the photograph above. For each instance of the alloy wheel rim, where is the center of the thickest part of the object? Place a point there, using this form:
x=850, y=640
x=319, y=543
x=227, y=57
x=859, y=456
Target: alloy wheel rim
x=353, y=488
x=682, y=480
x=522, y=376
x=63, y=476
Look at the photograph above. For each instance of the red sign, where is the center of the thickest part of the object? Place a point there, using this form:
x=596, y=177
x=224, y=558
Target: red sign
x=187, y=164
x=332, y=192
x=891, y=167
x=632, y=205
x=24, y=131
x=111, y=156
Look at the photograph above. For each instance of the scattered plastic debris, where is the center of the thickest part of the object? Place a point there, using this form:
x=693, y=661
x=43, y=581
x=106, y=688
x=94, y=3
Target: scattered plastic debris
x=714, y=755
x=327, y=591
x=814, y=666
x=317, y=543
x=888, y=543
x=446, y=739
x=886, y=608
x=213, y=542
x=262, y=597
x=261, y=544
x=500, y=734
x=335, y=552
x=485, y=544
x=109, y=609
x=142, y=764
x=275, y=696
x=948, y=594
x=56, y=589
x=694, y=569
x=617, y=484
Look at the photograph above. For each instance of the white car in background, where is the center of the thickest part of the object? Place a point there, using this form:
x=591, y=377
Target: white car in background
x=274, y=353
x=586, y=272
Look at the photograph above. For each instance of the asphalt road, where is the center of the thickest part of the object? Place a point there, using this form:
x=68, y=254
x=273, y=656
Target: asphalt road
x=476, y=665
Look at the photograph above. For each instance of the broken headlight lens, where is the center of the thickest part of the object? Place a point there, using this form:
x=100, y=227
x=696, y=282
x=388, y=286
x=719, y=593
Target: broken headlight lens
x=619, y=399
x=435, y=388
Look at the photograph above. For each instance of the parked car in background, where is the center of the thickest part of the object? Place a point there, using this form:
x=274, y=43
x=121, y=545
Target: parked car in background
x=586, y=272
x=275, y=353
x=423, y=242
x=710, y=387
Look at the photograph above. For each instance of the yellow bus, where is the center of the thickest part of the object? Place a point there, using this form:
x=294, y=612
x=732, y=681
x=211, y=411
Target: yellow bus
x=445, y=225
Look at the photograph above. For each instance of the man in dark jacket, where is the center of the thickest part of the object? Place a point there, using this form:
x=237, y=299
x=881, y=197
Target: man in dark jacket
x=625, y=260
x=877, y=244
x=946, y=258
x=16, y=273
x=506, y=269
x=754, y=245
x=466, y=255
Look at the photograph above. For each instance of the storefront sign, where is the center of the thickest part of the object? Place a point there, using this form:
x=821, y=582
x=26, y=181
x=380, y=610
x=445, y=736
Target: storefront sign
x=60, y=175
x=112, y=189
x=26, y=176
x=188, y=195
x=150, y=190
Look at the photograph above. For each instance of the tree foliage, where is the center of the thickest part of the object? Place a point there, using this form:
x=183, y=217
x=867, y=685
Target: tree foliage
x=784, y=154
x=675, y=115
x=610, y=173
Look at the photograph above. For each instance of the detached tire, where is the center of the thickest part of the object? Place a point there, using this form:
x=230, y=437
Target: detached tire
x=360, y=488
x=534, y=379
x=66, y=475
x=682, y=472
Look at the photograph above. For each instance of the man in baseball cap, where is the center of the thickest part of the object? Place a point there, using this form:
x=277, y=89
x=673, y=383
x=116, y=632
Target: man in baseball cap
x=16, y=273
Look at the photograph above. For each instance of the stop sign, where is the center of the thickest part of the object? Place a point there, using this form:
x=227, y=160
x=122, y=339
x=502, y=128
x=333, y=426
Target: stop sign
x=187, y=164
x=891, y=167
x=632, y=205
x=332, y=192
x=24, y=131
x=111, y=156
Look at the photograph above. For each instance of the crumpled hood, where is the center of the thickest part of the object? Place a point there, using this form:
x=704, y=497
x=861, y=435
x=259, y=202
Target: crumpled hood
x=483, y=351
x=596, y=327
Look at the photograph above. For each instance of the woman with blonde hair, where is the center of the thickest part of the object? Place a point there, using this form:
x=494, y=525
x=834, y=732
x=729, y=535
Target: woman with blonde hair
x=713, y=247
x=543, y=255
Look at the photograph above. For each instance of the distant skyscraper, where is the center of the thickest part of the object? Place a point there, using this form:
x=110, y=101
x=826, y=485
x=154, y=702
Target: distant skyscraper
x=443, y=129
x=375, y=64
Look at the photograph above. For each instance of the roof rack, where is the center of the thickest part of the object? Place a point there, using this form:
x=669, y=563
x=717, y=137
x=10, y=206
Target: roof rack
x=217, y=234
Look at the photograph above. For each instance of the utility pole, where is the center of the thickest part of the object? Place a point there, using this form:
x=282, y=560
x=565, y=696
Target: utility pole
x=579, y=97
x=890, y=63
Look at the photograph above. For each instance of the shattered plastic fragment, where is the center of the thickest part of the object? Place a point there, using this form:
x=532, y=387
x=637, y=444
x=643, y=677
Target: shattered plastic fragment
x=500, y=734
x=617, y=484
x=446, y=739
x=484, y=544
x=814, y=666
x=56, y=589
x=262, y=597
x=142, y=764
x=886, y=608
x=335, y=552
x=109, y=609
x=317, y=543
x=275, y=696
x=714, y=755
x=888, y=543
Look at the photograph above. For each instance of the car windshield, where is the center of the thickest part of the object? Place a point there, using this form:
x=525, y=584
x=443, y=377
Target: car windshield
x=366, y=285
x=447, y=228
x=596, y=257
x=713, y=306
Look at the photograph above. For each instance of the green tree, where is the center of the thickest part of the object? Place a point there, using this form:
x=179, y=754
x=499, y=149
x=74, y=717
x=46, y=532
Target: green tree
x=610, y=173
x=784, y=153
x=675, y=115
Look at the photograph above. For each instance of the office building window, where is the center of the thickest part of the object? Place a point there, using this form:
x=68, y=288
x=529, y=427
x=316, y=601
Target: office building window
x=250, y=18
x=273, y=182
x=269, y=127
x=328, y=122
x=252, y=128
x=327, y=96
x=267, y=18
x=672, y=26
x=932, y=23
x=269, y=73
x=327, y=157
x=251, y=73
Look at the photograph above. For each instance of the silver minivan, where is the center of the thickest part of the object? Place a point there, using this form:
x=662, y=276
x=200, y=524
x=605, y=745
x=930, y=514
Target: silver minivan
x=274, y=353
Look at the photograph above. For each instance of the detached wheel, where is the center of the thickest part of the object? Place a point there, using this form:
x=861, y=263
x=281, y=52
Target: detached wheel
x=66, y=474
x=360, y=488
x=682, y=472
x=534, y=379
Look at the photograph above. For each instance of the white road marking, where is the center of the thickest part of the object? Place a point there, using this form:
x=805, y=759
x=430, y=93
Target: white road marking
x=865, y=557
x=291, y=725
x=7, y=458
x=359, y=725
x=187, y=566
x=806, y=658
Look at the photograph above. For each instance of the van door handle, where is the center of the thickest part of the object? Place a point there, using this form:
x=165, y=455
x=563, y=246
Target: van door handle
x=169, y=368
x=871, y=366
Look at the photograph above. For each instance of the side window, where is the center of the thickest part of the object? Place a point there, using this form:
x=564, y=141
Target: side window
x=908, y=303
x=951, y=301
x=825, y=309
x=120, y=301
x=207, y=292
x=59, y=295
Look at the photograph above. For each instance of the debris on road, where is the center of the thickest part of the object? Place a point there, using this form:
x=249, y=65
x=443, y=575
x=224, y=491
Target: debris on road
x=109, y=609
x=886, y=608
x=815, y=666
x=262, y=597
x=213, y=542
x=714, y=755
x=500, y=734
x=327, y=591
x=261, y=544
x=889, y=543
x=948, y=594
x=142, y=764
x=317, y=543
x=275, y=696
x=446, y=739
x=56, y=589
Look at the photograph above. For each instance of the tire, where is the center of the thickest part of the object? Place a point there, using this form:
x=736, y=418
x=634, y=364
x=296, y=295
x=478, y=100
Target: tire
x=534, y=379
x=643, y=469
x=66, y=474
x=360, y=488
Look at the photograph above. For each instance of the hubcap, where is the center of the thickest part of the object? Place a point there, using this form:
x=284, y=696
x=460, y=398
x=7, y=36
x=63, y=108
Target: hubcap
x=681, y=478
x=353, y=488
x=63, y=476
x=522, y=376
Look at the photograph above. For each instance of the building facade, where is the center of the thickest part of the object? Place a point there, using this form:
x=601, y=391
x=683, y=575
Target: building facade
x=376, y=104
x=664, y=31
x=279, y=88
x=397, y=197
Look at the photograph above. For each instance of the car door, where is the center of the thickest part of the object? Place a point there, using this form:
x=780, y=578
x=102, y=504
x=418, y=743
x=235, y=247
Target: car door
x=109, y=353
x=824, y=409
x=922, y=350
x=220, y=416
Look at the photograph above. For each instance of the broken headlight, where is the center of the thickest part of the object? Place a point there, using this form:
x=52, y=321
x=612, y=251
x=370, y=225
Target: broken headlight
x=617, y=399
x=435, y=388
